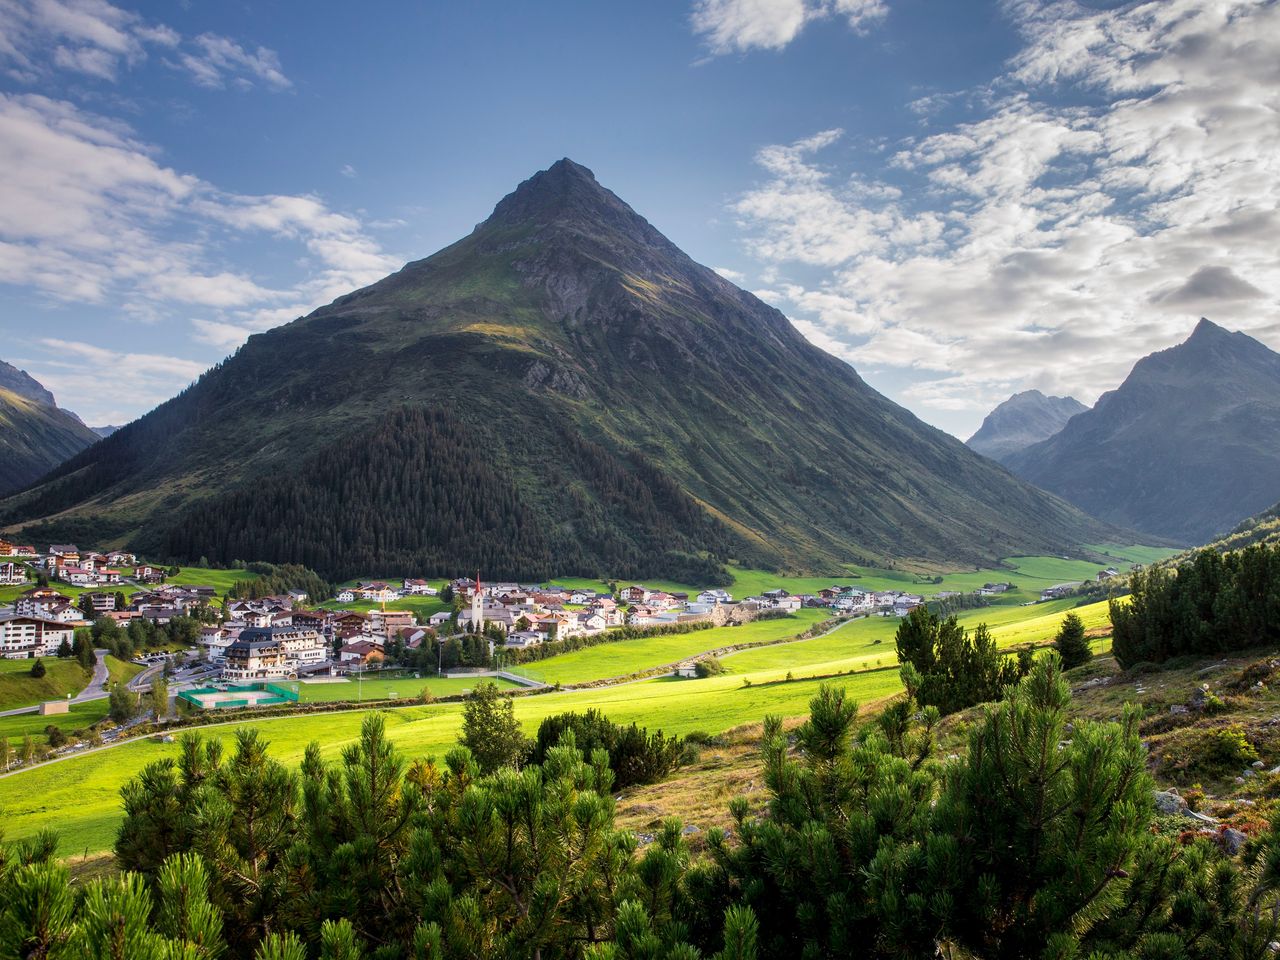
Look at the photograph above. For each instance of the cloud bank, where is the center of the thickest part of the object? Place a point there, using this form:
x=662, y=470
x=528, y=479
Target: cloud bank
x=1121, y=179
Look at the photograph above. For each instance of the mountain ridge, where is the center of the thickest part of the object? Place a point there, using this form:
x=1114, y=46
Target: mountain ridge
x=1185, y=448
x=36, y=435
x=611, y=384
x=1025, y=418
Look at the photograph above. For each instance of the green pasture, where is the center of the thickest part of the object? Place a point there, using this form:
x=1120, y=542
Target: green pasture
x=404, y=687
x=79, y=797
x=621, y=657
x=121, y=671
x=19, y=689
x=220, y=580
x=81, y=716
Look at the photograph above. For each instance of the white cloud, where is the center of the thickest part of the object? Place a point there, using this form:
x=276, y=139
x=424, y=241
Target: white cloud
x=728, y=26
x=108, y=386
x=348, y=171
x=88, y=214
x=1123, y=179
x=98, y=39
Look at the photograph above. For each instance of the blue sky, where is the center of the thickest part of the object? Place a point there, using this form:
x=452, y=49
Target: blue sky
x=961, y=198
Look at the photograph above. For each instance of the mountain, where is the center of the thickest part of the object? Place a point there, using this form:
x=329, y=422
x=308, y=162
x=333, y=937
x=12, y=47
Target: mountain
x=1260, y=528
x=1185, y=448
x=1023, y=419
x=561, y=391
x=106, y=431
x=35, y=435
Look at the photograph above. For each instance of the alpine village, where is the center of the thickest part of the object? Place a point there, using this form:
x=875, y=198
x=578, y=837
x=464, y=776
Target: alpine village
x=557, y=596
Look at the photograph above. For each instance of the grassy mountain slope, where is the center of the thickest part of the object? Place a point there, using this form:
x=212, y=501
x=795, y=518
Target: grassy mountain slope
x=34, y=438
x=621, y=408
x=1185, y=448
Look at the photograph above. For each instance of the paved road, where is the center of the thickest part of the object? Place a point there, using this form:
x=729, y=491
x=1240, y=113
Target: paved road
x=97, y=688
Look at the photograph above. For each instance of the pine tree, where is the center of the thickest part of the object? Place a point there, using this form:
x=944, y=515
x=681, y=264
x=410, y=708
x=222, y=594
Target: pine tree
x=1073, y=648
x=38, y=669
x=490, y=729
x=64, y=649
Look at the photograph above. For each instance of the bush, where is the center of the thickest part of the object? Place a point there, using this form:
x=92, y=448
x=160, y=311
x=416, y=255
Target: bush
x=56, y=737
x=38, y=669
x=710, y=667
x=635, y=755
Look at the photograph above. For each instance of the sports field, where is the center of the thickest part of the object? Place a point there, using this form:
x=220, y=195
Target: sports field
x=405, y=687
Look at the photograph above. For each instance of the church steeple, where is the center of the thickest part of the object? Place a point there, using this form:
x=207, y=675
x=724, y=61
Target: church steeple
x=477, y=606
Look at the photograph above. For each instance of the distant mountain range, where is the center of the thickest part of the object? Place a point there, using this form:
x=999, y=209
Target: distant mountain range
x=1025, y=418
x=1185, y=448
x=561, y=391
x=35, y=435
x=105, y=431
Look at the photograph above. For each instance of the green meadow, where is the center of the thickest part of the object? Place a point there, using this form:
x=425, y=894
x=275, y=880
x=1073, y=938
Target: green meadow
x=405, y=687
x=79, y=797
x=19, y=689
x=622, y=657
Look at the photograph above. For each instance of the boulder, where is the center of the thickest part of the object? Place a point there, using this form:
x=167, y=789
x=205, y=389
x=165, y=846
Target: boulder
x=1168, y=802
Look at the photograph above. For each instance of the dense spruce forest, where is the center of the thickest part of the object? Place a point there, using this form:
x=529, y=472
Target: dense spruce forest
x=1037, y=842
x=1208, y=603
x=420, y=495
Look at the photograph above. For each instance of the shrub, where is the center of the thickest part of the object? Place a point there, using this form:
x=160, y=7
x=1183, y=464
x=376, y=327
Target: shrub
x=1071, y=644
x=710, y=667
x=56, y=737
x=635, y=755
x=38, y=669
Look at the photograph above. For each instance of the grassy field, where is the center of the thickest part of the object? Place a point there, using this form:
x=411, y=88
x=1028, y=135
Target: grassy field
x=80, y=797
x=404, y=687
x=80, y=717
x=1029, y=574
x=121, y=671
x=19, y=689
x=622, y=657
x=220, y=580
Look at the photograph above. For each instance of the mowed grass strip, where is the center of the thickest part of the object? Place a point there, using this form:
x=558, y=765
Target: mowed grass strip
x=19, y=689
x=79, y=797
x=121, y=671
x=622, y=657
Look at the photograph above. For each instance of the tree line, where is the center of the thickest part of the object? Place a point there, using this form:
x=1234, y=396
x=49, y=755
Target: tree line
x=1207, y=603
x=1037, y=842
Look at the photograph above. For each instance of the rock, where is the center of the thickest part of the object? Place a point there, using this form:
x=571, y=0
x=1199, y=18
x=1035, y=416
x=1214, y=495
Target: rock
x=691, y=829
x=1233, y=840
x=1257, y=764
x=1168, y=802
x=1178, y=708
x=1250, y=773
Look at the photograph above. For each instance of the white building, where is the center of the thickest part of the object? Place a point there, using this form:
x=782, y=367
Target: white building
x=22, y=637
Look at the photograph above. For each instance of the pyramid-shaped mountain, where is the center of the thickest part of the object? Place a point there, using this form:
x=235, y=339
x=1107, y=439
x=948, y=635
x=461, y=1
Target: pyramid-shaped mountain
x=562, y=391
x=1025, y=418
x=1185, y=448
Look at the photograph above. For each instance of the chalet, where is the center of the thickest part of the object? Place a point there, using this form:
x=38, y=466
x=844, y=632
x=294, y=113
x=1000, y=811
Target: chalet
x=635, y=594
x=215, y=640
x=118, y=558
x=595, y=623
x=149, y=574
x=1108, y=573
x=377, y=592
x=581, y=596
x=384, y=623
x=297, y=596
x=715, y=596
x=24, y=551
x=38, y=602
x=904, y=604
x=414, y=637
x=346, y=595
x=788, y=604
x=522, y=639
x=419, y=588
x=77, y=576
x=6, y=547
x=1058, y=590
x=64, y=613
x=65, y=553
x=300, y=646
x=362, y=653
x=22, y=637
x=12, y=573
x=439, y=619
x=255, y=655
